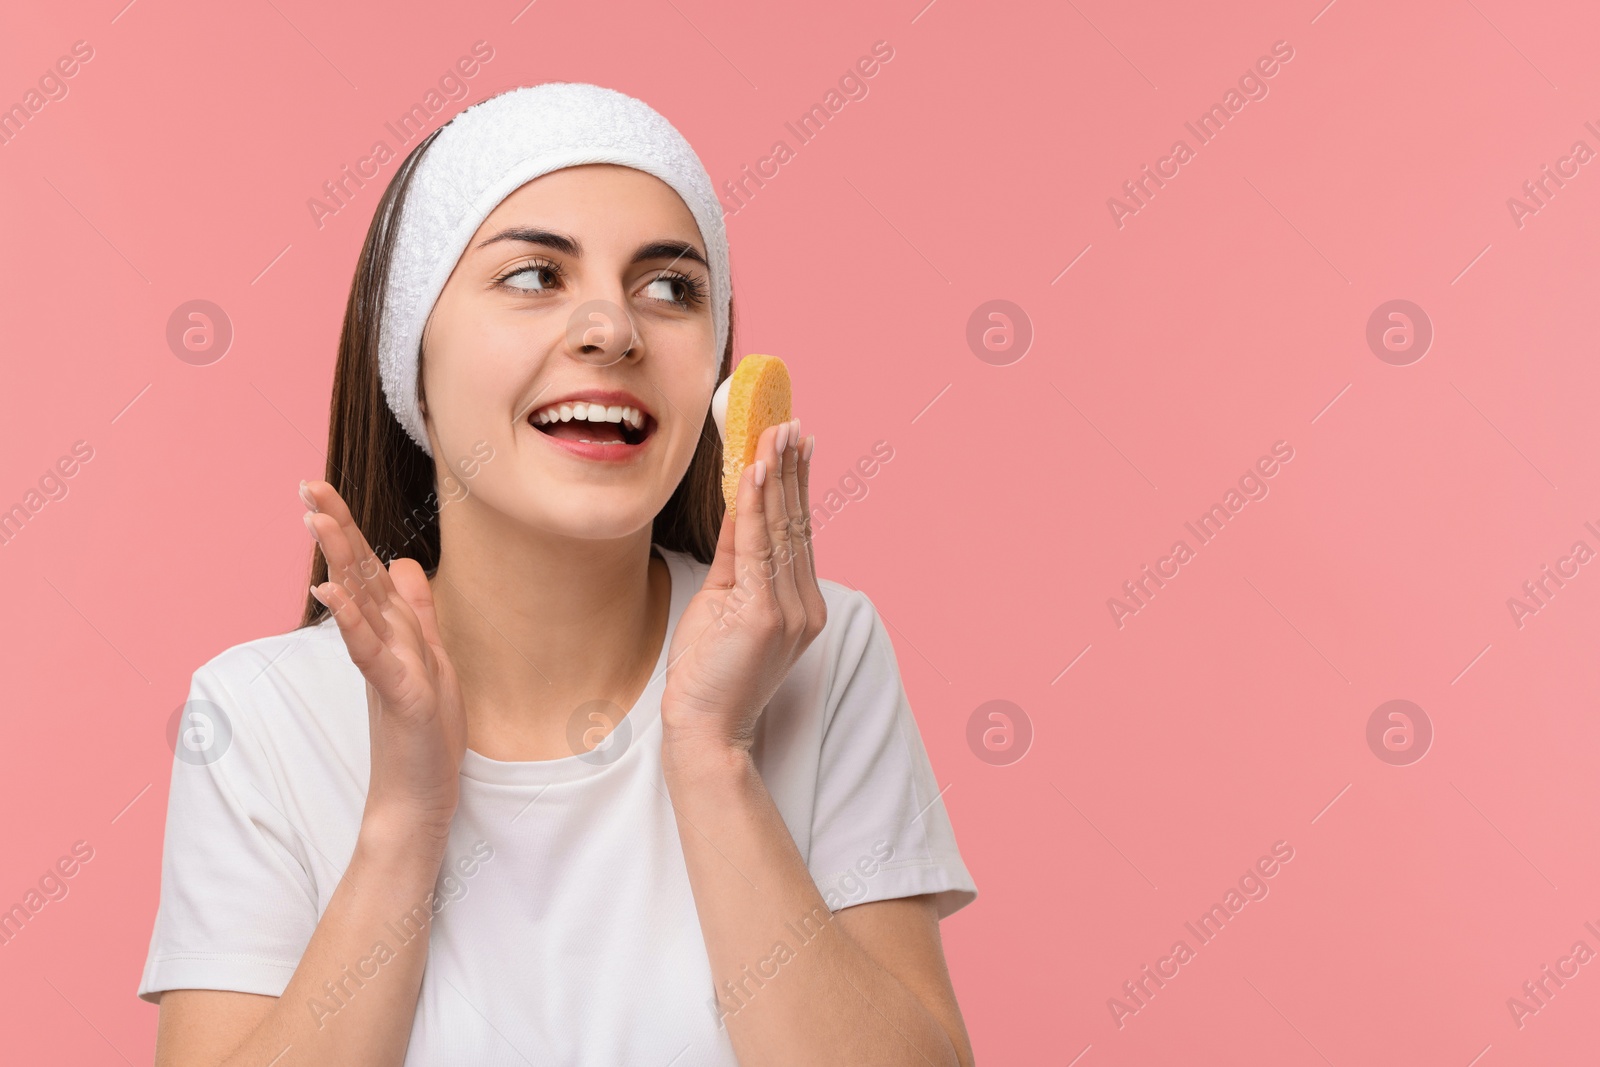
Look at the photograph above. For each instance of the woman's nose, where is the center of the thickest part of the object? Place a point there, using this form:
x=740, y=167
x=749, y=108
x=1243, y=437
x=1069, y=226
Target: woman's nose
x=600, y=332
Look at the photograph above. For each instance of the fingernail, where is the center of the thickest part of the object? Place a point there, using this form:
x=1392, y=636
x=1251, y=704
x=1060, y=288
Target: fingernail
x=761, y=472
x=796, y=436
x=781, y=440
x=305, y=495
x=312, y=528
x=318, y=596
x=811, y=443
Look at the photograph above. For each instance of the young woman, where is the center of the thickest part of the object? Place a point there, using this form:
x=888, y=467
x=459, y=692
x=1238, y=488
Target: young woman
x=573, y=768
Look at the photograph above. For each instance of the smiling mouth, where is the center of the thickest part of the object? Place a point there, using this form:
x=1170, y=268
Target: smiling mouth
x=595, y=424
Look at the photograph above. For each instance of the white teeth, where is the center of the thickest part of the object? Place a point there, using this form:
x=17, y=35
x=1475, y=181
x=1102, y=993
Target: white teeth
x=583, y=411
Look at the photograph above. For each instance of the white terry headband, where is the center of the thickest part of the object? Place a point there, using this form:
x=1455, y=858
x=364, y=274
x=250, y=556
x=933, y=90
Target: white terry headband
x=486, y=153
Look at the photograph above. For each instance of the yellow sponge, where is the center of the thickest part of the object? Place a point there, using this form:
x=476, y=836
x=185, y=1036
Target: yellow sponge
x=755, y=396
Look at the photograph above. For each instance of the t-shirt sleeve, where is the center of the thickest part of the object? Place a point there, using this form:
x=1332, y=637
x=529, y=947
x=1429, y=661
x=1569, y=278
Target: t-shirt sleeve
x=238, y=905
x=879, y=826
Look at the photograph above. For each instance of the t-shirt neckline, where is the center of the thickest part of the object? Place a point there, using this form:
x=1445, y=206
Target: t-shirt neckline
x=644, y=714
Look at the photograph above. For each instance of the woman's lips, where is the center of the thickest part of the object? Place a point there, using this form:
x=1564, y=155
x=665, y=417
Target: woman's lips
x=603, y=440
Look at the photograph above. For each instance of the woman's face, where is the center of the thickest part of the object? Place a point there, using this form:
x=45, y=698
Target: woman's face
x=588, y=282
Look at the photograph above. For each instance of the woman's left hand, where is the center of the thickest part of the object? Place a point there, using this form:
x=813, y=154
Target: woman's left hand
x=759, y=609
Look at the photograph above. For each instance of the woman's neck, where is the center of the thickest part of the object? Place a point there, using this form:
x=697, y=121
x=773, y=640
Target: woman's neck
x=537, y=626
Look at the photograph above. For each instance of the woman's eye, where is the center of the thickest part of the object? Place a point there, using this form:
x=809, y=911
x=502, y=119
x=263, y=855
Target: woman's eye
x=673, y=290
x=538, y=271
x=541, y=277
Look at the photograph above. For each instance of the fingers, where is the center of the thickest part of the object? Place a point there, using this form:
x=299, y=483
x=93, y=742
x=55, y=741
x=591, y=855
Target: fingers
x=368, y=652
x=791, y=481
x=776, y=505
x=411, y=584
x=751, y=539
x=754, y=559
x=804, y=477
x=805, y=496
x=368, y=602
x=805, y=559
x=720, y=576
x=324, y=499
x=359, y=588
x=766, y=579
x=783, y=513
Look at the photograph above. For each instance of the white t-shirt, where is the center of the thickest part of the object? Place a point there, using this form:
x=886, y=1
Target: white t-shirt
x=565, y=930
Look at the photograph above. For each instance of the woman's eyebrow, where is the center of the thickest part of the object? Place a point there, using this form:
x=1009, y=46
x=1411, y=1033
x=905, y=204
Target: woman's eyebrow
x=570, y=246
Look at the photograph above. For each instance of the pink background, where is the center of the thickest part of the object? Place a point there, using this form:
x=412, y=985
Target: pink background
x=1229, y=313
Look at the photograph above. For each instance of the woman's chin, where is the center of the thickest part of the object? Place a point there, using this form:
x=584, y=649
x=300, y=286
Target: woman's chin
x=572, y=498
x=589, y=513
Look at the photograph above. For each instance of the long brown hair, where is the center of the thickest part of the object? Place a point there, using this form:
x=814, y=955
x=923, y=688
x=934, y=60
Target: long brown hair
x=388, y=481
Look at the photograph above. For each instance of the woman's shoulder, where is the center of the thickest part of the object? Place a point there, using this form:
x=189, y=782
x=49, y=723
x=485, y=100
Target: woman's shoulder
x=286, y=714
x=297, y=682
x=299, y=652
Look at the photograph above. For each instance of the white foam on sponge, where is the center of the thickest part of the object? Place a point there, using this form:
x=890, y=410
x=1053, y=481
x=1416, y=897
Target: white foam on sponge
x=719, y=406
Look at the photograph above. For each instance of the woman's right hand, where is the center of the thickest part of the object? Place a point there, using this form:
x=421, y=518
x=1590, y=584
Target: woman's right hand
x=386, y=617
